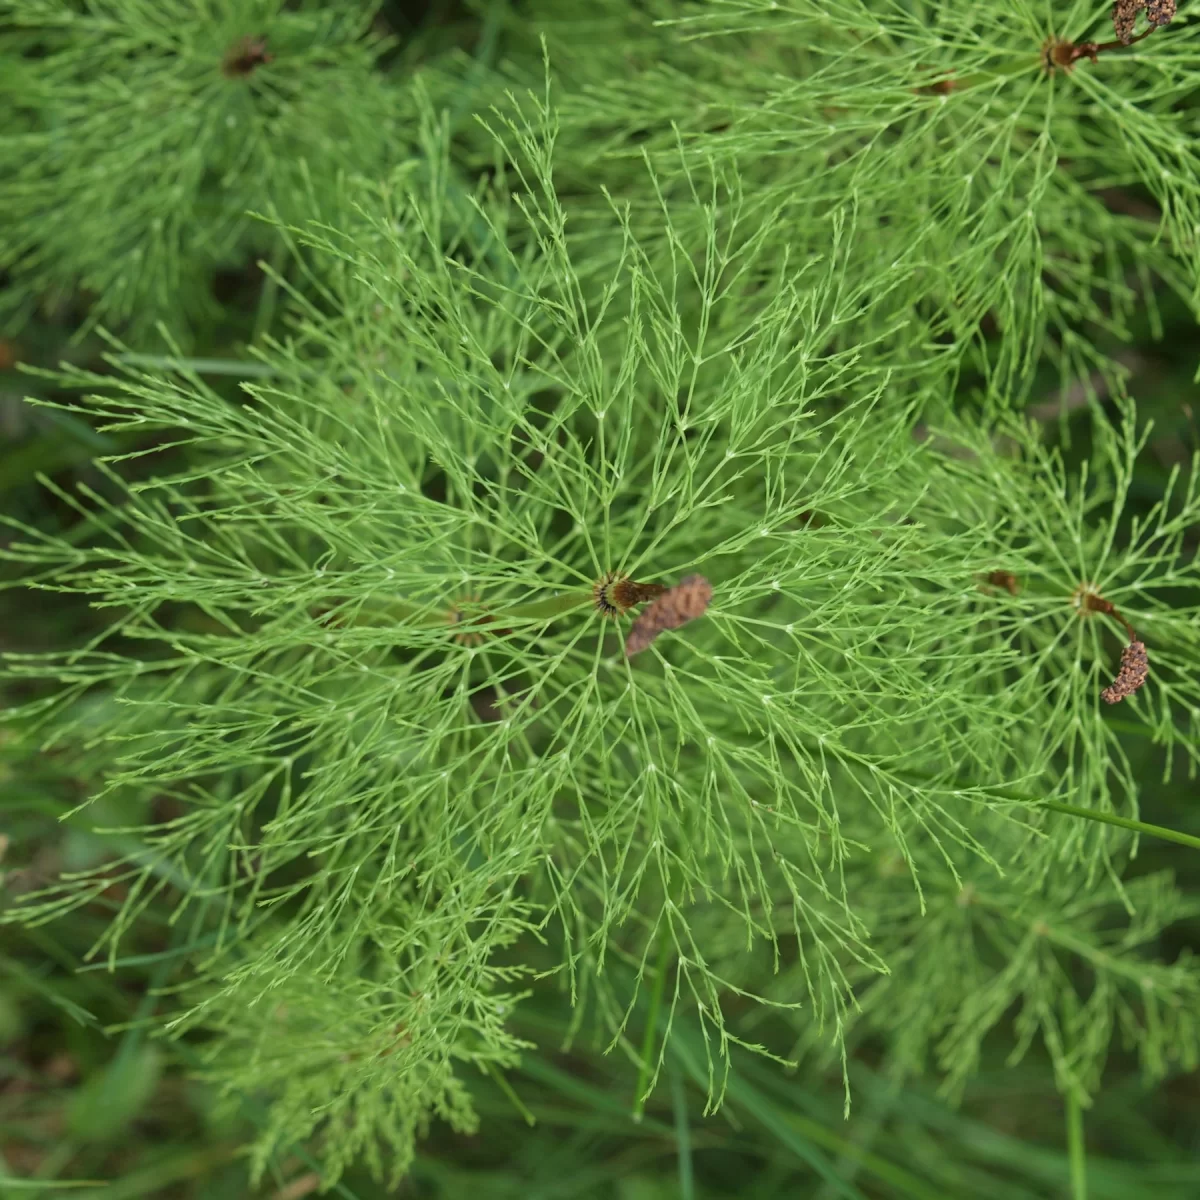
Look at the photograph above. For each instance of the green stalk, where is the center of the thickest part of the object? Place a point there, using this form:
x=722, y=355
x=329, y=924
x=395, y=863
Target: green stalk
x=536, y=610
x=644, y=1072
x=239, y=367
x=1160, y=831
x=1076, y=1147
x=683, y=1139
x=1072, y=810
x=498, y=1079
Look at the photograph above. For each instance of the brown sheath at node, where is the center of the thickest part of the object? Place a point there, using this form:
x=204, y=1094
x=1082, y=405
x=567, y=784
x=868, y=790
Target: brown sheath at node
x=1004, y=579
x=244, y=56
x=616, y=594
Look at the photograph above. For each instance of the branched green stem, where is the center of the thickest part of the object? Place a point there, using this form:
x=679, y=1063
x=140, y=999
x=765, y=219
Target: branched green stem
x=535, y=610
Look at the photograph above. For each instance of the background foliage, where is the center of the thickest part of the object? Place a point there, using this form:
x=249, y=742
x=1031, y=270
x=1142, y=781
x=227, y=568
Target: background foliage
x=849, y=311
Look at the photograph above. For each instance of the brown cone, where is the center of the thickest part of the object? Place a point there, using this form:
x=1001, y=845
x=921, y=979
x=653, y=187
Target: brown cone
x=1135, y=666
x=686, y=601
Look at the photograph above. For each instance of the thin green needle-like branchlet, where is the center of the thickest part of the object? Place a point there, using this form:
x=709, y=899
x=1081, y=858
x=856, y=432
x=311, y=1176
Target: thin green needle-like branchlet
x=769, y=314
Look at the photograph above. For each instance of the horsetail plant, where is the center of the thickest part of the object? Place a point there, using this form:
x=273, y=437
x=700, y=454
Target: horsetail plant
x=362, y=681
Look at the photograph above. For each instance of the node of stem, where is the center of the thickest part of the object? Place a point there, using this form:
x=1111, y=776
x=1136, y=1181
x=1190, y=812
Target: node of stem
x=244, y=56
x=615, y=593
x=1060, y=53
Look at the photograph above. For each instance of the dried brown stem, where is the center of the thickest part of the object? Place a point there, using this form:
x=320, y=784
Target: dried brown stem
x=1064, y=54
x=1090, y=601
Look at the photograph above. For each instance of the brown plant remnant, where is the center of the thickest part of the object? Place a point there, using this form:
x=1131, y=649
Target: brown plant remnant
x=470, y=621
x=616, y=594
x=1091, y=602
x=299, y=1188
x=1160, y=12
x=676, y=606
x=1135, y=666
x=941, y=87
x=244, y=56
x=1004, y=579
x=1058, y=52
x=1124, y=15
x=464, y=617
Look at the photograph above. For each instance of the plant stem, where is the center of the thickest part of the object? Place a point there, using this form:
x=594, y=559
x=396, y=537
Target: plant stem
x=497, y=1077
x=1088, y=814
x=243, y=368
x=1076, y=1147
x=422, y=617
x=683, y=1140
x=644, y=1072
x=1170, y=835
x=802, y=1135
x=554, y=606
